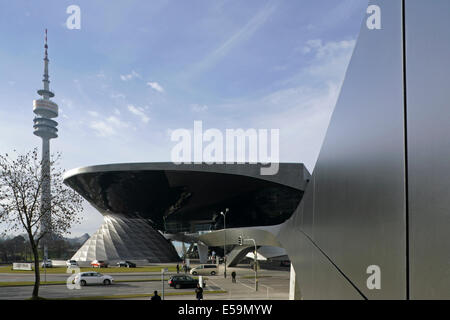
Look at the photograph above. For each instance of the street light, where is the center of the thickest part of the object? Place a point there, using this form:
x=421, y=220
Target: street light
x=224, y=241
x=241, y=242
x=165, y=228
x=163, y=270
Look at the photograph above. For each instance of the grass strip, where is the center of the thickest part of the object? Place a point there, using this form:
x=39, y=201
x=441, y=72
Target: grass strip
x=28, y=283
x=87, y=269
x=137, y=295
x=48, y=283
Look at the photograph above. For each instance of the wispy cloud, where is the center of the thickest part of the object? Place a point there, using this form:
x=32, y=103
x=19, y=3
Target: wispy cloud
x=116, y=122
x=140, y=112
x=243, y=34
x=67, y=103
x=108, y=127
x=198, y=108
x=118, y=96
x=155, y=86
x=306, y=107
x=330, y=58
x=130, y=76
x=102, y=128
x=302, y=108
x=93, y=113
x=328, y=49
x=101, y=75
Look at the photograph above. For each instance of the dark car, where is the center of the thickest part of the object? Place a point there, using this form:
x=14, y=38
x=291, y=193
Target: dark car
x=182, y=282
x=126, y=264
x=285, y=263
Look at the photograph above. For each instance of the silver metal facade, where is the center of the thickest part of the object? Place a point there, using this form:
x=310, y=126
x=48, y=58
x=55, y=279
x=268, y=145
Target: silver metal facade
x=359, y=192
x=379, y=194
x=428, y=126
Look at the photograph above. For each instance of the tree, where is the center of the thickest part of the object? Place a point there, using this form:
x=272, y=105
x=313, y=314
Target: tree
x=17, y=246
x=3, y=251
x=21, y=202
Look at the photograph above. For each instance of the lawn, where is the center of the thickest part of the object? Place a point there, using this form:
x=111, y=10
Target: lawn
x=48, y=283
x=157, y=268
x=138, y=295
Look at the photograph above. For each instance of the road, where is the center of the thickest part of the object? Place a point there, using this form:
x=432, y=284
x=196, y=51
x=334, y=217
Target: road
x=63, y=276
x=272, y=285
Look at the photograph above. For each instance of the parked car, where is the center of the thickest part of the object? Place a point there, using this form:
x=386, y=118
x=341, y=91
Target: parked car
x=182, y=282
x=285, y=263
x=71, y=263
x=126, y=264
x=99, y=264
x=205, y=269
x=86, y=278
x=47, y=264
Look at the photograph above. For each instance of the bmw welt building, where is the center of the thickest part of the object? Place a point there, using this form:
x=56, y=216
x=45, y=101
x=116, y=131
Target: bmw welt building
x=145, y=205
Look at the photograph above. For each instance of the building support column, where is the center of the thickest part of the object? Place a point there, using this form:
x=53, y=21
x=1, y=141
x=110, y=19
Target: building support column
x=202, y=252
x=294, y=288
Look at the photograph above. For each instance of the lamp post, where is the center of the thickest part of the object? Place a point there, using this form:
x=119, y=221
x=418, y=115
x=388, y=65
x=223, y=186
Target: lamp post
x=224, y=241
x=256, y=265
x=163, y=270
x=165, y=228
x=241, y=242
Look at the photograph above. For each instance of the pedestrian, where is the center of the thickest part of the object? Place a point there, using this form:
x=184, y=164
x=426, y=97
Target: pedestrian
x=199, y=292
x=178, y=268
x=155, y=296
x=185, y=269
x=233, y=276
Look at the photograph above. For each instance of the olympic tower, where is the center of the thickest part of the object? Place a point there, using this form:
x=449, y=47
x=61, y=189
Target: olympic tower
x=45, y=127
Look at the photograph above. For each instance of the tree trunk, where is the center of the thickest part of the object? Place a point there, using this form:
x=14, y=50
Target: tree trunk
x=37, y=277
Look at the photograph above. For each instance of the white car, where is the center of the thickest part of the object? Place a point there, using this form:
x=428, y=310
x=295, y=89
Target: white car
x=85, y=278
x=71, y=263
x=205, y=269
x=47, y=264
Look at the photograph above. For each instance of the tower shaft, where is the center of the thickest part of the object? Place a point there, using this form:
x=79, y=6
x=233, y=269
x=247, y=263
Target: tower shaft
x=46, y=187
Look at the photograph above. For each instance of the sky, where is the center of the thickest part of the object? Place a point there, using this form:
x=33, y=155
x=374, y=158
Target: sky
x=137, y=70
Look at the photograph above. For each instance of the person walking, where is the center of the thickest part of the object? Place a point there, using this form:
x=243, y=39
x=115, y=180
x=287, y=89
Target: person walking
x=155, y=296
x=178, y=268
x=185, y=269
x=233, y=277
x=199, y=292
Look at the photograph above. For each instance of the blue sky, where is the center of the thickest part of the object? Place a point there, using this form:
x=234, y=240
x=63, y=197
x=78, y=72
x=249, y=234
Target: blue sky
x=138, y=69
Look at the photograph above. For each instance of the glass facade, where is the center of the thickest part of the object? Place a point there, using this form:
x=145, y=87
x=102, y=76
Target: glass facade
x=171, y=200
